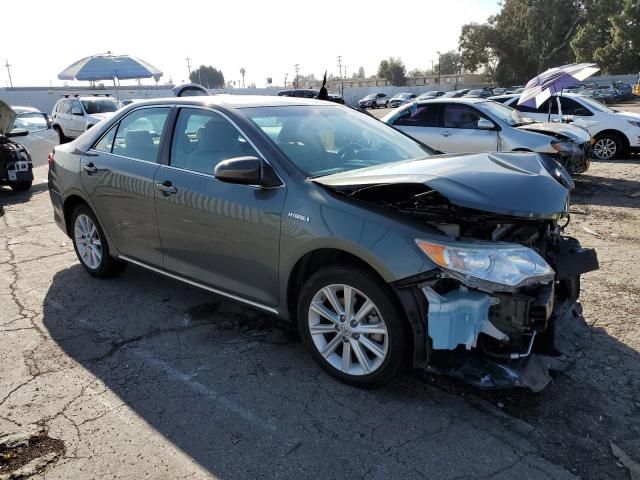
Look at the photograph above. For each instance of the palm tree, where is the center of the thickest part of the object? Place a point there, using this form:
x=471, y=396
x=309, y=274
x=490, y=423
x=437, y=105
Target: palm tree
x=242, y=72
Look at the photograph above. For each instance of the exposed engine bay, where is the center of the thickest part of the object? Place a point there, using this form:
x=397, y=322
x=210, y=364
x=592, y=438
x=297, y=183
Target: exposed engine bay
x=490, y=337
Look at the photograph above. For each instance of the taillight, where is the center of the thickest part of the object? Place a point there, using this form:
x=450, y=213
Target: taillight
x=50, y=158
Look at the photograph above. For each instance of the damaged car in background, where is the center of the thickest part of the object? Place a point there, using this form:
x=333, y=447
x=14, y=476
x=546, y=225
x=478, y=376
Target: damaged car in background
x=465, y=125
x=382, y=252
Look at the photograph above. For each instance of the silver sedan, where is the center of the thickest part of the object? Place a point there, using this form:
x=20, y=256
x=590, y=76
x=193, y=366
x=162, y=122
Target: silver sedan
x=469, y=125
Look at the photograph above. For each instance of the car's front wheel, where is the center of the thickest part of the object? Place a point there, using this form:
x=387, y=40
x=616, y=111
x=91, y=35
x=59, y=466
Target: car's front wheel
x=374, y=105
x=352, y=326
x=90, y=244
x=20, y=186
x=607, y=146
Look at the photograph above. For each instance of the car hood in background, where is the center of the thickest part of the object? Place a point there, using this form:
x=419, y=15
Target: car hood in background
x=512, y=184
x=7, y=117
x=577, y=134
x=101, y=116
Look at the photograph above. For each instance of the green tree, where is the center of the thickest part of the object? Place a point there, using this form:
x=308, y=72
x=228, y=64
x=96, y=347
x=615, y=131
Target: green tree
x=523, y=39
x=620, y=53
x=393, y=70
x=450, y=63
x=208, y=77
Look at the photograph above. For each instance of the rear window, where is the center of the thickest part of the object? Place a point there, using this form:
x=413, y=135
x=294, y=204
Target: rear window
x=100, y=106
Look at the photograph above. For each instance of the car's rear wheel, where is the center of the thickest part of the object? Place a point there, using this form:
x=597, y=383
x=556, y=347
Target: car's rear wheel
x=352, y=326
x=91, y=246
x=61, y=135
x=607, y=146
x=20, y=186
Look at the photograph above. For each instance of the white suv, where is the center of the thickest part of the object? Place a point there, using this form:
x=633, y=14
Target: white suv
x=71, y=117
x=615, y=132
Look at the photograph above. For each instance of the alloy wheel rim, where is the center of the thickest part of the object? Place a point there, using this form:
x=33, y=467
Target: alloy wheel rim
x=605, y=148
x=88, y=241
x=348, y=330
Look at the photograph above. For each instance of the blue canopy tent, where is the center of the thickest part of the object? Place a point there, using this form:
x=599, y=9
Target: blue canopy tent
x=108, y=66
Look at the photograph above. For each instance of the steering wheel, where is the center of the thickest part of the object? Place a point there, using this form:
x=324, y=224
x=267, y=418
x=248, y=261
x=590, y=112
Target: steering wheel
x=348, y=150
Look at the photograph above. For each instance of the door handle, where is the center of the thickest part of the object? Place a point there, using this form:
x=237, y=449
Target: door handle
x=90, y=168
x=446, y=134
x=167, y=188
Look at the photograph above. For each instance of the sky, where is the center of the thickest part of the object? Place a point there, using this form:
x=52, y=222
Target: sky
x=267, y=38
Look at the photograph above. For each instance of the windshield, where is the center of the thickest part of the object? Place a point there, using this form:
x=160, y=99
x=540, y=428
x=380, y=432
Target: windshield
x=506, y=114
x=595, y=105
x=323, y=140
x=99, y=106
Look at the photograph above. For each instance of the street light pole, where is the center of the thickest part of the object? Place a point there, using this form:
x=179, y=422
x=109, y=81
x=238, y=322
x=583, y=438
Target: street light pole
x=439, y=66
x=297, y=69
x=6, y=64
x=188, y=59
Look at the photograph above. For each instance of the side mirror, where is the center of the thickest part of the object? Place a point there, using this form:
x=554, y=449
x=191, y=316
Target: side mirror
x=484, y=124
x=18, y=132
x=77, y=111
x=246, y=171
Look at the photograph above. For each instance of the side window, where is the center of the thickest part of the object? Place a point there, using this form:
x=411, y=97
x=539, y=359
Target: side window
x=419, y=116
x=138, y=135
x=106, y=143
x=460, y=116
x=65, y=107
x=31, y=121
x=202, y=139
x=571, y=107
x=75, y=106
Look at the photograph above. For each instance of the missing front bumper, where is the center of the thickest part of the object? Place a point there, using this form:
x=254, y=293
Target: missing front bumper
x=533, y=372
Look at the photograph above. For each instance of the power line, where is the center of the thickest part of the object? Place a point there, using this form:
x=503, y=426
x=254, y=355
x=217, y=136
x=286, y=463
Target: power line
x=6, y=64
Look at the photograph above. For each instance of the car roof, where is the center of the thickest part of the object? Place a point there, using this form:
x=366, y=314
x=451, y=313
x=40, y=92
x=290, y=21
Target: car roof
x=236, y=101
x=467, y=100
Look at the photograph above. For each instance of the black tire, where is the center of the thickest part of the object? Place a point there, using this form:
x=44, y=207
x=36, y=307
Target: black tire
x=374, y=105
x=61, y=136
x=383, y=298
x=20, y=186
x=609, y=139
x=108, y=266
x=386, y=105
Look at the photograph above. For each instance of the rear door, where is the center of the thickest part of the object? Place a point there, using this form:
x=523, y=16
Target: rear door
x=460, y=132
x=220, y=234
x=77, y=119
x=421, y=121
x=118, y=173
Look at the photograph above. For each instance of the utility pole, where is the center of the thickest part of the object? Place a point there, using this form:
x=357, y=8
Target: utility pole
x=6, y=64
x=188, y=59
x=339, y=58
x=285, y=79
x=439, y=65
x=297, y=69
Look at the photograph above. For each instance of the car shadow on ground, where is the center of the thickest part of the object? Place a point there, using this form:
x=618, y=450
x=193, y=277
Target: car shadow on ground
x=236, y=391
x=612, y=192
x=9, y=197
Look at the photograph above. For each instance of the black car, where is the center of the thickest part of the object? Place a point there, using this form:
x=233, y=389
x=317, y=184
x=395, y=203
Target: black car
x=16, y=167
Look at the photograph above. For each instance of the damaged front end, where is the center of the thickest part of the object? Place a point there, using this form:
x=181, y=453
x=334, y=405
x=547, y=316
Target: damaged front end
x=506, y=279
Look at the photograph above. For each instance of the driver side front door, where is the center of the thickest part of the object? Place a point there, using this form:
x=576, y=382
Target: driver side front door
x=460, y=132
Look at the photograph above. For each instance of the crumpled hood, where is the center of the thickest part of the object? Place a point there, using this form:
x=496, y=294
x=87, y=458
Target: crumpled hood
x=513, y=184
x=577, y=134
x=7, y=117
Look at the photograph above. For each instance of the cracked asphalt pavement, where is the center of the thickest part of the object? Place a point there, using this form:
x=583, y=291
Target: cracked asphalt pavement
x=144, y=377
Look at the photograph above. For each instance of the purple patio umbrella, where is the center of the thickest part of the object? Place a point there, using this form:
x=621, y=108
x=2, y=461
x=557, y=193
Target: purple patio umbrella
x=553, y=81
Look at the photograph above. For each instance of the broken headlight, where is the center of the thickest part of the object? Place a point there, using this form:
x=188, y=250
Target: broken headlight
x=496, y=266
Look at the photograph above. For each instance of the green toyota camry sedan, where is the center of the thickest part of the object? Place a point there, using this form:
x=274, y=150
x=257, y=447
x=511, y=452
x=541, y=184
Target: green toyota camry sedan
x=386, y=255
